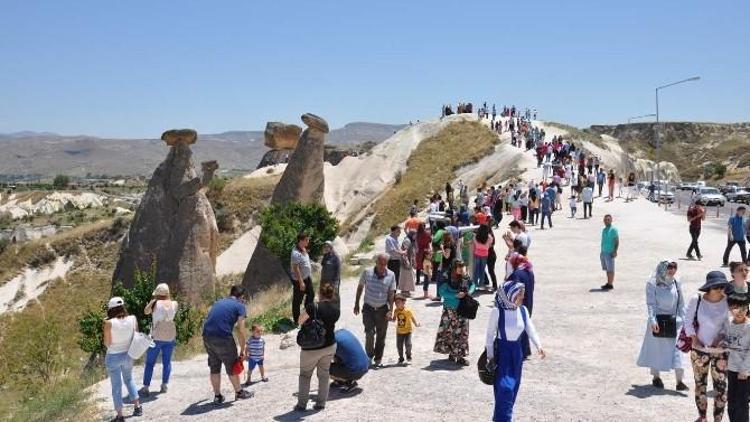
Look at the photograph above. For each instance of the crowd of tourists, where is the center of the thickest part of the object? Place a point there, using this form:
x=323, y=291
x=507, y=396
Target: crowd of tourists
x=452, y=245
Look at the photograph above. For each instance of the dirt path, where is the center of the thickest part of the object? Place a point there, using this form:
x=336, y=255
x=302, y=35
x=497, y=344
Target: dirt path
x=592, y=340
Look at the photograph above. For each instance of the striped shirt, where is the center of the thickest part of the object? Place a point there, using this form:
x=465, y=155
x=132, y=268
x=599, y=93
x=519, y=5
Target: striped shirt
x=377, y=288
x=256, y=347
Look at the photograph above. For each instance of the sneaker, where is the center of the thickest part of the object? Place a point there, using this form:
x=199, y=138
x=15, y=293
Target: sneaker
x=607, y=287
x=700, y=257
x=319, y=407
x=138, y=411
x=243, y=394
x=247, y=384
x=348, y=387
x=164, y=388
x=408, y=358
x=377, y=365
x=143, y=392
x=400, y=361
x=264, y=379
x=299, y=408
x=656, y=382
x=682, y=387
x=462, y=362
x=219, y=399
x=690, y=257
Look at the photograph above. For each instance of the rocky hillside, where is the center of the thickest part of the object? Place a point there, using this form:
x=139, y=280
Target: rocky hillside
x=47, y=154
x=699, y=150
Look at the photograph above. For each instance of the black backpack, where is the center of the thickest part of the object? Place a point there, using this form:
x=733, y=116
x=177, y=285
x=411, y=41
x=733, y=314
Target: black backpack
x=312, y=334
x=467, y=307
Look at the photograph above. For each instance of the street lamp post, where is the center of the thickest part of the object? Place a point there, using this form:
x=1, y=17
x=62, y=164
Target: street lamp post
x=656, y=128
x=640, y=117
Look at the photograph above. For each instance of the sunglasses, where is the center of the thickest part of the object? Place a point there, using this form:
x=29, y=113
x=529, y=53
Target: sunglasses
x=672, y=266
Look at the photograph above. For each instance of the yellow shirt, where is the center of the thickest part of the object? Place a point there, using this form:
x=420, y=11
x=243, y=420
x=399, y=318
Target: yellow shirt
x=403, y=318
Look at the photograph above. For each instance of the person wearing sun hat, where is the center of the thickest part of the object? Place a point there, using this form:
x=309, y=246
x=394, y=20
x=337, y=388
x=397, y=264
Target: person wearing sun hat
x=164, y=332
x=119, y=329
x=508, y=320
x=709, y=308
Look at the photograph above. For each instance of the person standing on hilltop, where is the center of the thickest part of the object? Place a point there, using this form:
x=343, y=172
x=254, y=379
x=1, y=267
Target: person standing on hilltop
x=736, y=235
x=695, y=215
x=610, y=245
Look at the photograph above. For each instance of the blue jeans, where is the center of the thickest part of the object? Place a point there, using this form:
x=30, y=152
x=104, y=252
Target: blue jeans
x=480, y=263
x=120, y=369
x=166, y=348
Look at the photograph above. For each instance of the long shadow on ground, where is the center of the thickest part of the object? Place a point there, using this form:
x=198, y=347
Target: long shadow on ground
x=647, y=390
x=204, y=406
x=442, y=365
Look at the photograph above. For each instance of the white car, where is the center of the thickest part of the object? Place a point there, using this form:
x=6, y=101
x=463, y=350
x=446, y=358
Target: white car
x=710, y=196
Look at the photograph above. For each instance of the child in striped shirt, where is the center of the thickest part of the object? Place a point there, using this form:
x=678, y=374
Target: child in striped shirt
x=256, y=351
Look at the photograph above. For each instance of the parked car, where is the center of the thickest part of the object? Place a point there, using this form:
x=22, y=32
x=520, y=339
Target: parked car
x=729, y=186
x=738, y=194
x=688, y=186
x=709, y=196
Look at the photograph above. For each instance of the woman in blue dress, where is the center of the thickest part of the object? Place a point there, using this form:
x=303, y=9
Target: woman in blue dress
x=508, y=320
x=663, y=297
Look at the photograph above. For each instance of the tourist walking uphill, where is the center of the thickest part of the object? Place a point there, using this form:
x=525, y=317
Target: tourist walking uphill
x=666, y=311
x=318, y=357
x=379, y=287
x=119, y=329
x=394, y=251
x=224, y=315
x=707, y=311
x=610, y=245
x=162, y=310
x=302, y=288
x=523, y=273
x=508, y=320
x=406, y=275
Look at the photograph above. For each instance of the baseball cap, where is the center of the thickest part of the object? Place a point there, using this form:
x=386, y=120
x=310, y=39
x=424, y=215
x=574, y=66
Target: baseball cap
x=115, y=302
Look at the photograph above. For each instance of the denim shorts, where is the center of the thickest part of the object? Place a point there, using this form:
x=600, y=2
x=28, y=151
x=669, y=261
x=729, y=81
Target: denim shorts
x=608, y=261
x=253, y=362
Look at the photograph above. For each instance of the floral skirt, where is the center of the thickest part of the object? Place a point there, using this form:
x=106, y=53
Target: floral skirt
x=453, y=335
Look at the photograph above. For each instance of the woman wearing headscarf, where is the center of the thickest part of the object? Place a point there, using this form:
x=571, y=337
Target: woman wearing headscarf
x=508, y=320
x=523, y=272
x=453, y=333
x=665, y=303
x=406, y=275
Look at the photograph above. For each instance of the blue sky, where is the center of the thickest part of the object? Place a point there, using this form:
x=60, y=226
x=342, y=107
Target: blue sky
x=135, y=68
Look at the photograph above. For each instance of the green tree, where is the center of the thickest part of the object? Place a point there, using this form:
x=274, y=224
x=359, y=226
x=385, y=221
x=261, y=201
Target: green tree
x=282, y=223
x=61, y=182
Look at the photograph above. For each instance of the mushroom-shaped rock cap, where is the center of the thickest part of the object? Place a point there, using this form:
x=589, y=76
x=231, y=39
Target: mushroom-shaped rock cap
x=176, y=137
x=315, y=121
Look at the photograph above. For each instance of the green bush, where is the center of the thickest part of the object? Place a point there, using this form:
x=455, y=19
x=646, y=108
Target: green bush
x=4, y=242
x=715, y=170
x=282, y=223
x=217, y=184
x=61, y=181
x=91, y=340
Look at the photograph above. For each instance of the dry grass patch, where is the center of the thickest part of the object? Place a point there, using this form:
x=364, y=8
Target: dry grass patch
x=433, y=163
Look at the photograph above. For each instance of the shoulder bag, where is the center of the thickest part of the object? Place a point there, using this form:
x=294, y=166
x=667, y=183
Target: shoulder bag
x=685, y=342
x=668, y=323
x=312, y=334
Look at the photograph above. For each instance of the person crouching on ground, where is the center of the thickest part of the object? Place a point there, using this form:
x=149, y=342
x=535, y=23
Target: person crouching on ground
x=350, y=362
x=453, y=333
x=736, y=338
x=256, y=350
x=664, y=302
x=405, y=323
x=508, y=320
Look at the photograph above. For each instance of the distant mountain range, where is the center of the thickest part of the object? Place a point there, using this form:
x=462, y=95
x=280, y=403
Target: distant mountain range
x=44, y=154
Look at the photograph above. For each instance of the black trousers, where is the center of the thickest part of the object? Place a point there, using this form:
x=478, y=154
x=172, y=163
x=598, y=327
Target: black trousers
x=403, y=340
x=730, y=245
x=298, y=295
x=395, y=266
x=737, y=398
x=376, y=327
x=695, y=233
x=587, y=206
x=491, y=261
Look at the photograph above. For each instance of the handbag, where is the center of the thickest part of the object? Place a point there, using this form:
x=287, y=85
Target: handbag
x=139, y=344
x=312, y=334
x=685, y=342
x=467, y=307
x=668, y=323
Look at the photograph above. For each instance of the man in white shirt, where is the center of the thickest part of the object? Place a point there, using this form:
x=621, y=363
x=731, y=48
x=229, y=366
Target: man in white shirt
x=588, y=200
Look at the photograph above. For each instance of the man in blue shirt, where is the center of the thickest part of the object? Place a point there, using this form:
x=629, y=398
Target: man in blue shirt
x=350, y=362
x=220, y=346
x=600, y=177
x=547, y=204
x=736, y=235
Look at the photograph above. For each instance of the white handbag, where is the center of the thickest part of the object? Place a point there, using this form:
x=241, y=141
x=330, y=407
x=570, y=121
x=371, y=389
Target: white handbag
x=140, y=343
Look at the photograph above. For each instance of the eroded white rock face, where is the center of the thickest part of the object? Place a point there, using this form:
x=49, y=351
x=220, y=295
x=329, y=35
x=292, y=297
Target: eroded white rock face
x=22, y=289
x=51, y=203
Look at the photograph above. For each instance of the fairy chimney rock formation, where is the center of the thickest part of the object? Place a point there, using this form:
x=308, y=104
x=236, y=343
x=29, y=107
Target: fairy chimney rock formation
x=280, y=135
x=302, y=181
x=174, y=227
